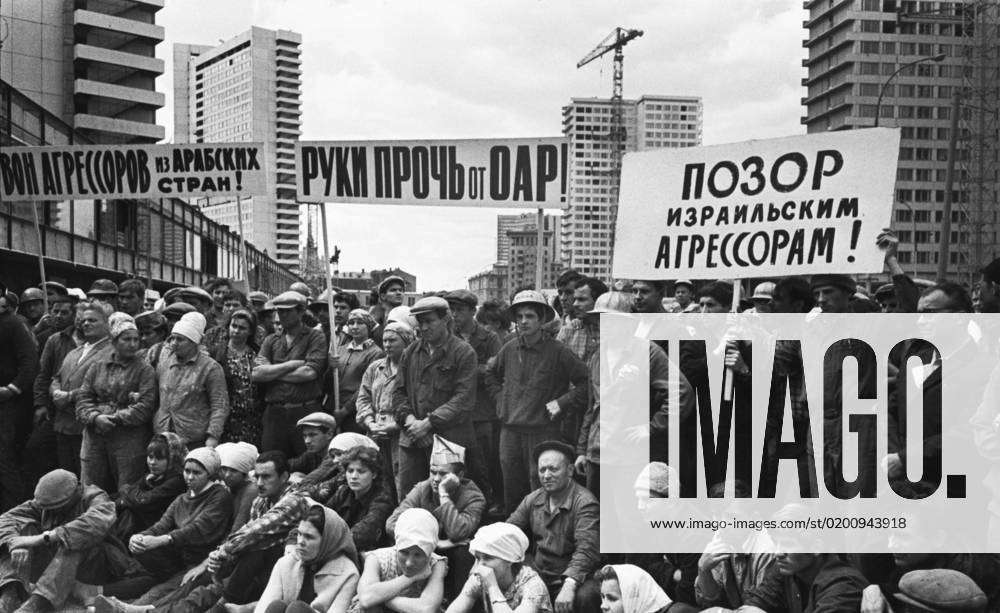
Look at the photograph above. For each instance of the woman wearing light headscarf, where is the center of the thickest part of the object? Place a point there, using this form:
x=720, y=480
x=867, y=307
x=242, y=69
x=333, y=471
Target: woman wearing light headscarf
x=407, y=576
x=500, y=576
x=355, y=357
x=191, y=527
x=115, y=407
x=321, y=574
x=374, y=401
x=626, y=588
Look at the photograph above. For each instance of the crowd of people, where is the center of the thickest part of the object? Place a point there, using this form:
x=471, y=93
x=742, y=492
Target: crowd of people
x=210, y=450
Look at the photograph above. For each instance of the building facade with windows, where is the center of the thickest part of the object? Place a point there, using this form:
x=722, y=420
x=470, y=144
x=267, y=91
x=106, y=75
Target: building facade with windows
x=916, y=55
x=248, y=89
x=651, y=122
x=90, y=63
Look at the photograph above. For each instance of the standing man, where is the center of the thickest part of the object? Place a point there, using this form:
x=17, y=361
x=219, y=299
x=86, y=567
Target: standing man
x=32, y=306
x=989, y=288
x=105, y=291
x=131, y=295
x=647, y=296
x=435, y=393
x=530, y=381
x=390, y=295
x=290, y=366
x=684, y=296
x=486, y=344
x=566, y=285
x=194, y=400
x=18, y=368
x=580, y=336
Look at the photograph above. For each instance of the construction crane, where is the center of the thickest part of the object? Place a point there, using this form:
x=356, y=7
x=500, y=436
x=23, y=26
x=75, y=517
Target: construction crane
x=615, y=41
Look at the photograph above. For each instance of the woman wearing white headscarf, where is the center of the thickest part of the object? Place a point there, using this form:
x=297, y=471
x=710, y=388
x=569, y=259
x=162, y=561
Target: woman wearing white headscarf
x=376, y=414
x=500, y=577
x=355, y=357
x=407, y=573
x=626, y=588
x=115, y=407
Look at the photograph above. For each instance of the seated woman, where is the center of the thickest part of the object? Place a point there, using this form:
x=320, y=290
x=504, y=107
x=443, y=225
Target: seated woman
x=193, y=524
x=321, y=575
x=408, y=576
x=141, y=504
x=499, y=577
x=626, y=588
x=364, y=498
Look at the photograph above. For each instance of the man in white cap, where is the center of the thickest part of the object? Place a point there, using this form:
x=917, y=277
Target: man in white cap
x=536, y=381
x=290, y=368
x=435, y=393
x=49, y=542
x=194, y=401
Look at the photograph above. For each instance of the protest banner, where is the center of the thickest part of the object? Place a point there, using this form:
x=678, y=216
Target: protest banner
x=131, y=171
x=796, y=205
x=509, y=173
x=839, y=433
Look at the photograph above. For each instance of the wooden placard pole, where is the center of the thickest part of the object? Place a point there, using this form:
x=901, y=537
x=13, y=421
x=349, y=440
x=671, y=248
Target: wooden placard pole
x=329, y=303
x=41, y=256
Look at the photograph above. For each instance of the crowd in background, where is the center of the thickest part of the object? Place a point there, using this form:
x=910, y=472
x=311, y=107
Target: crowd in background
x=210, y=450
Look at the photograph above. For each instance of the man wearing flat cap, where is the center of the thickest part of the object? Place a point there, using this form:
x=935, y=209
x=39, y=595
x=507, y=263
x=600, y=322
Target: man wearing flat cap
x=106, y=291
x=486, y=344
x=561, y=518
x=48, y=543
x=317, y=430
x=435, y=392
x=390, y=292
x=290, y=368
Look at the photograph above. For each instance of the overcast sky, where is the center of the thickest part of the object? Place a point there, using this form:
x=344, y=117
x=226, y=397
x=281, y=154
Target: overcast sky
x=471, y=68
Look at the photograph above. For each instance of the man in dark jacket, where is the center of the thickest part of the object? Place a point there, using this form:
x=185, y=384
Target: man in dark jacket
x=436, y=392
x=531, y=383
x=48, y=542
x=18, y=368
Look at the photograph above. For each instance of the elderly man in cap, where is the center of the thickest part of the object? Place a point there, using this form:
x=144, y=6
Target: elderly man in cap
x=317, y=430
x=194, y=401
x=435, y=392
x=18, y=371
x=536, y=381
x=456, y=503
x=106, y=291
x=202, y=301
x=561, y=519
x=66, y=386
x=486, y=344
x=290, y=368
x=48, y=543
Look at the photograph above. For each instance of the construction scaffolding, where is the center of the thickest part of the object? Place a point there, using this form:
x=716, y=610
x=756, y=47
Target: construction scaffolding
x=978, y=198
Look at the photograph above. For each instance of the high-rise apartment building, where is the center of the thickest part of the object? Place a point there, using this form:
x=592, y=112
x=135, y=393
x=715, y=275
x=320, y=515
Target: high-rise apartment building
x=651, y=122
x=91, y=63
x=248, y=89
x=917, y=56
x=521, y=222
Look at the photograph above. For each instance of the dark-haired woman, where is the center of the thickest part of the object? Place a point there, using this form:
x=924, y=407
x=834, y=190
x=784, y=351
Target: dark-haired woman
x=365, y=498
x=237, y=358
x=140, y=504
x=320, y=575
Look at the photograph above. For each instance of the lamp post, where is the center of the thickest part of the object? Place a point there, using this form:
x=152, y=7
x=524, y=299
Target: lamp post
x=878, y=105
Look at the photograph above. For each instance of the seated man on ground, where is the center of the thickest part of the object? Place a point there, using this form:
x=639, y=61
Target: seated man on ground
x=49, y=541
x=317, y=432
x=561, y=519
x=408, y=576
